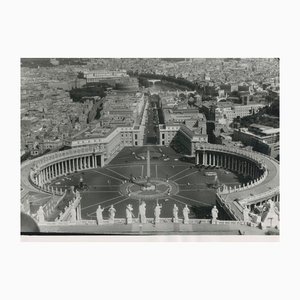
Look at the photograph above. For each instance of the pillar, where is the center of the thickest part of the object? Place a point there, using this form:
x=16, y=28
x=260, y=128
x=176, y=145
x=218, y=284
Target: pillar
x=77, y=164
x=56, y=171
x=39, y=183
x=43, y=179
x=59, y=168
x=47, y=174
x=73, y=163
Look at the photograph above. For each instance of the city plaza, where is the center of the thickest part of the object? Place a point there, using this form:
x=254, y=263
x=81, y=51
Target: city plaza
x=154, y=176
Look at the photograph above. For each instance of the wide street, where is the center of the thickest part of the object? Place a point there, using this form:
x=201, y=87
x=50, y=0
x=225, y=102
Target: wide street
x=151, y=128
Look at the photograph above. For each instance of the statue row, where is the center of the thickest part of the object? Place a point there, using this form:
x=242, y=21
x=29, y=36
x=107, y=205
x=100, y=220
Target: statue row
x=142, y=214
x=129, y=214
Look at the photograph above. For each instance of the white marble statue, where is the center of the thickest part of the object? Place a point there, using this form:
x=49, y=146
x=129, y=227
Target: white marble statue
x=175, y=213
x=157, y=211
x=99, y=212
x=246, y=215
x=186, y=212
x=129, y=214
x=73, y=214
x=41, y=215
x=142, y=212
x=112, y=212
x=214, y=214
x=271, y=205
x=77, y=194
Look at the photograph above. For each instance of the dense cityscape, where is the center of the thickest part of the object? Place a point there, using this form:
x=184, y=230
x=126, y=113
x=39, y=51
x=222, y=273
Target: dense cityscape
x=168, y=110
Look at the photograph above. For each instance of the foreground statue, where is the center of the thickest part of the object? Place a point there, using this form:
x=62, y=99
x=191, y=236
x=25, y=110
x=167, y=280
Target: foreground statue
x=175, y=213
x=157, y=212
x=186, y=212
x=73, y=213
x=142, y=212
x=41, y=215
x=214, y=214
x=99, y=216
x=112, y=212
x=246, y=215
x=129, y=214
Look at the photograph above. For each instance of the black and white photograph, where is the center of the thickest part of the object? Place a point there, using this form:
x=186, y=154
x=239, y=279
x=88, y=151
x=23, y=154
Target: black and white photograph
x=149, y=149
x=150, y=146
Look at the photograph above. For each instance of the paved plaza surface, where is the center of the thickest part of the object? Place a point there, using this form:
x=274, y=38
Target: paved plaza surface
x=103, y=185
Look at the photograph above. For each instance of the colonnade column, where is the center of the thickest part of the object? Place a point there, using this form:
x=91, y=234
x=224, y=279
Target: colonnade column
x=46, y=174
x=59, y=168
x=42, y=176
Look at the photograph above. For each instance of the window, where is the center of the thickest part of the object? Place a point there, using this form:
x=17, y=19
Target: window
x=163, y=136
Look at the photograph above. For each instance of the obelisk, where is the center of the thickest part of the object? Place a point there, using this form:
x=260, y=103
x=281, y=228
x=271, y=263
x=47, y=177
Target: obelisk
x=148, y=165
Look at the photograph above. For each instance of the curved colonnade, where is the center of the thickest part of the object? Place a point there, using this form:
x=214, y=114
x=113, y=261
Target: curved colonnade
x=261, y=170
x=36, y=174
